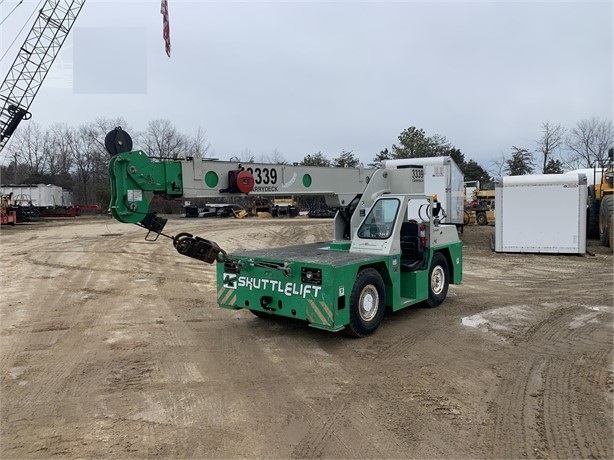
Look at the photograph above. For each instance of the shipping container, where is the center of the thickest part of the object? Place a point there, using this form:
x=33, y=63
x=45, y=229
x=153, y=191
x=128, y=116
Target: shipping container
x=541, y=213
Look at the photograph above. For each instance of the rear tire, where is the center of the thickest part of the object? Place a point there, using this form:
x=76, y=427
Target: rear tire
x=481, y=218
x=367, y=303
x=605, y=219
x=439, y=280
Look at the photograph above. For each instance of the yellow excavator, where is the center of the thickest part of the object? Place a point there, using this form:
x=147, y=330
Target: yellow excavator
x=601, y=201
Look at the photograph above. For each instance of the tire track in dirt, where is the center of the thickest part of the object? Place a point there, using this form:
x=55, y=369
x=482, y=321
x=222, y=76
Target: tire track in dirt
x=314, y=442
x=538, y=403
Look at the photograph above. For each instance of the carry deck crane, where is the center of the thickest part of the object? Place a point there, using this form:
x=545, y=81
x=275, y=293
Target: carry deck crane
x=33, y=61
x=382, y=255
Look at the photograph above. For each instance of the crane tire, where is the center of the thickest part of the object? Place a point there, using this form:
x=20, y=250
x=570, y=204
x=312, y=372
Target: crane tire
x=367, y=303
x=439, y=280
x=605, y=219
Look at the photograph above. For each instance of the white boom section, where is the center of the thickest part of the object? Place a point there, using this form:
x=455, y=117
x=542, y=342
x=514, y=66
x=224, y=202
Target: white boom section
x=205, y=179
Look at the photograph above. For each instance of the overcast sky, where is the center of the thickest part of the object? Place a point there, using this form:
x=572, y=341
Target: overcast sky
x=303, y=77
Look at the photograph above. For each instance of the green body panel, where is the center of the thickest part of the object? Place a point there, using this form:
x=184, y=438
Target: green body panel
x=270, y=281
x=134, y=180
x=454, y=252
x=325, y=306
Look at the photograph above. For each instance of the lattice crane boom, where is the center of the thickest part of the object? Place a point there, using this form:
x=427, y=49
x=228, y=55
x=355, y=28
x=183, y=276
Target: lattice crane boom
x=35, y=57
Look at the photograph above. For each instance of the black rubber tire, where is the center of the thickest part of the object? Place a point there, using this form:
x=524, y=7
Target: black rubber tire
x=481, y=218
x=367, y=303
x=466, y=218
x=605, y=219
x=439, y=280
x=592, y=217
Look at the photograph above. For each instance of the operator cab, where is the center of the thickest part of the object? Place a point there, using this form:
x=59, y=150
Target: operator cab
x=390, y=228
x=413, y=239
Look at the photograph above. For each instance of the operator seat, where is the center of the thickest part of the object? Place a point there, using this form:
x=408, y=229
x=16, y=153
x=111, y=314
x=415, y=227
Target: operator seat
x=412, y=252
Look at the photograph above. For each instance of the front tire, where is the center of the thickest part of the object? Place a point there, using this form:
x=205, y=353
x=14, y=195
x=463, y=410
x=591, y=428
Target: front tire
x=439, y=280
x=481, y=218
x=367, y=303
x=605, y=219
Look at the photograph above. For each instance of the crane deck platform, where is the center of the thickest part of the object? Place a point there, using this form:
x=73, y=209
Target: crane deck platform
x=315, y=253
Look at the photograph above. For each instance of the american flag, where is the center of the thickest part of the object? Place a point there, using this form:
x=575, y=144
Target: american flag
x=166, y=30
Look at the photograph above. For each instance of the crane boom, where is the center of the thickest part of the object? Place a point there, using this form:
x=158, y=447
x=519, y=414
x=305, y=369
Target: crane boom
x=27, y=73
x=135, y=178
x=383, y=256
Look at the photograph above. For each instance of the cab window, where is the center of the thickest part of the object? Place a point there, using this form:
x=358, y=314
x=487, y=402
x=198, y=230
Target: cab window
x=380, y=220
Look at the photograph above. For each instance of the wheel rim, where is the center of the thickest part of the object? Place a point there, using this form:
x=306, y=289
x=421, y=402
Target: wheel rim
x=368, y=303
x=438, y=280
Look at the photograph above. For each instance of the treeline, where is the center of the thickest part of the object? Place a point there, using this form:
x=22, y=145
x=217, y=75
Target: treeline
x=75, y=157
x=556, y=150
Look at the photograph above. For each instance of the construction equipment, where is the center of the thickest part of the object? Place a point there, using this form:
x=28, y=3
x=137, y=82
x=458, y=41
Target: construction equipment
x=381, y=257
x=601, y=202
x=33, y=61
x=284, y=206
x=481, y=209
x=261, y=207
x=7, y=215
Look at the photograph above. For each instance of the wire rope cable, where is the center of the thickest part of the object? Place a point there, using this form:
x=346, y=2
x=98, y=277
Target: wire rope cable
x=20, y=31
x=11, y=12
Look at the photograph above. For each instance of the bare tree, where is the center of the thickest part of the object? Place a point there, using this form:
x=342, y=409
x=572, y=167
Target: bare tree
x=275, y=157
x=14, y=172
x=162, y=140
x=198, y=145
x=90, y=160
x=589, y=142
x=552, y=139
x=246, y=156
x=30, y=147
x=497, y=167
x=61, y=156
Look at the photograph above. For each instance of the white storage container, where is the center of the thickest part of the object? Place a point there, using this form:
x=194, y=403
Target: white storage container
x=542, y=213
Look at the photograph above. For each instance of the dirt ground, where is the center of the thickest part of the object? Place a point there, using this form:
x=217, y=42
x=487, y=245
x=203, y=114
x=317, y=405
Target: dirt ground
x=114, y=347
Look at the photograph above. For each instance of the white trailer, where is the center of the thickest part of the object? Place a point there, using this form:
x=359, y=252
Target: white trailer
x=40, y=195
x=542, y=213
x=443, y=177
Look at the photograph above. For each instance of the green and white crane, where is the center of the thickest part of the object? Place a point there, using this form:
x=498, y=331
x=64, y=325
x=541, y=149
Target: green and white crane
x=380, y=258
